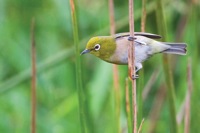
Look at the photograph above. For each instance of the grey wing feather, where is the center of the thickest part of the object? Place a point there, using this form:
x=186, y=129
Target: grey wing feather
x=149, y=35
x=177, y=45
x=126, y=34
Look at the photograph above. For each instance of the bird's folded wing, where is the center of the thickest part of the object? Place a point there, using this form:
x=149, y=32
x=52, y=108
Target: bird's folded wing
x=149, y=35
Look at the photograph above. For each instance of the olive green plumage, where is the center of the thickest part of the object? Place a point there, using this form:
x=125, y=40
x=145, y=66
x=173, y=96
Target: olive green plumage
x=114, y=49
x=105, y=43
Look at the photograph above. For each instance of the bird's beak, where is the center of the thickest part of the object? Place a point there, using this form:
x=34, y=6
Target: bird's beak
x=85, y=51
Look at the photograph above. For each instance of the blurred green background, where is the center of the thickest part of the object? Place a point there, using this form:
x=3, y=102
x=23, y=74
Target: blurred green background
x=57, y=99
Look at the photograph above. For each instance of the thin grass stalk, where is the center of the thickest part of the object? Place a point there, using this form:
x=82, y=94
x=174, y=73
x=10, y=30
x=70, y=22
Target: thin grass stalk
x=167, y=69
x=141, y=72
x=81, y=95
x=144, y=14
x=181, y=112
x=156, y=108
x=131, y=65
x=115, y=70
x=188, y=97
x=140, y=127
x=128, y=107
x=33, y=78
x=185, y=107
x=112, y=17
x=150, y=83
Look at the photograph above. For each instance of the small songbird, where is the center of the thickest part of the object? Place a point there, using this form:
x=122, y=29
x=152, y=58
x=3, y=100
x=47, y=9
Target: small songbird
x=114, y=49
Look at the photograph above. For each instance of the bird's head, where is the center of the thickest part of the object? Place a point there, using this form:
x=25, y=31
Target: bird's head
x=102, y=47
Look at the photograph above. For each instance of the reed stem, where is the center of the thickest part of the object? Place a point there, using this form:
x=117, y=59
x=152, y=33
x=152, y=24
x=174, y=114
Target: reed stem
x=115, y=70
x=131, y=65
x=81, y=95
x=128, y=107
x=33, y=78
x=188, y=97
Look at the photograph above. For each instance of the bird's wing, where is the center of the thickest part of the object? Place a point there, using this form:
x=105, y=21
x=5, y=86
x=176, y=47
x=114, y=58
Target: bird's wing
x=120, y=35
x=149, y=35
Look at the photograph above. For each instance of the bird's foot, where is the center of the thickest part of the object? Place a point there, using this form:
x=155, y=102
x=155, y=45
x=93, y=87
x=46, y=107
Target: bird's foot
x=130, y=38
x=135, y=77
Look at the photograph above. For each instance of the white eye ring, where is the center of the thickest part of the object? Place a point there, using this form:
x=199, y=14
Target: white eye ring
x=97, y=47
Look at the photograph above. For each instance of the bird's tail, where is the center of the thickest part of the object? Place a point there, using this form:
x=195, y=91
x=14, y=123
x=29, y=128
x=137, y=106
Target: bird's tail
x=176, y=48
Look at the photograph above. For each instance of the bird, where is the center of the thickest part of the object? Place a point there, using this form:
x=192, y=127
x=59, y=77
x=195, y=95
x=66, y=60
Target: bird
x=114, y=48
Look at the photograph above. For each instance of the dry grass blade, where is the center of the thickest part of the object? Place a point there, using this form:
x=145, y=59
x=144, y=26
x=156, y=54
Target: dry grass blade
x=131, y=65
x=143, y=21
x=156, y=108
x=181, y=113
x=33, y=78
x=187, y=102
x=150, y=83
x=112, y=17
x=115, y=68
x=128, y=108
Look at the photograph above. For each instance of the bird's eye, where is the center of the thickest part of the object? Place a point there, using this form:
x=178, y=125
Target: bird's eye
x=97, y=47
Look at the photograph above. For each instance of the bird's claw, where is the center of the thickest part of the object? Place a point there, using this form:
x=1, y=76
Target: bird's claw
x=130, y=38
x=135, y=77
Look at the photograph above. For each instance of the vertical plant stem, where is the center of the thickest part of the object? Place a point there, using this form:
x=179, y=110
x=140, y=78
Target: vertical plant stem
x=167, y=69
x=128, y=107
x=141, y=72
x=115, y=70
x=188, y=96
x=33, y=78
x=112, y=17
x=143, y=19
x=150, y=83
x=156, y=108
x=81, y=95
x=131, y=65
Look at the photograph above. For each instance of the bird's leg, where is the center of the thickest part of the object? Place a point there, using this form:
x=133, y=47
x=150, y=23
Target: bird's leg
x=135, y=77
x=138, y=66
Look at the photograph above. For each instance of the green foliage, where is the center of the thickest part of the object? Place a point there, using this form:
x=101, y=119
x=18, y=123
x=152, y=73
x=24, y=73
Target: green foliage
x=57, y=94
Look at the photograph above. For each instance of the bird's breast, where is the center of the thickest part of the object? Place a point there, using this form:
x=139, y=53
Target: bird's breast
x=120, y=55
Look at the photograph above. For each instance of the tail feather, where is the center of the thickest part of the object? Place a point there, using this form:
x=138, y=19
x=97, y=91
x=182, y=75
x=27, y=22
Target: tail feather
x=176, y=48
x=178, y=45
